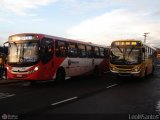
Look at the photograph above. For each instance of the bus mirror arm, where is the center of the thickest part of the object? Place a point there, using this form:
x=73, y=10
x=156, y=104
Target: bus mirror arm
x=5, y=43
x=4, y=46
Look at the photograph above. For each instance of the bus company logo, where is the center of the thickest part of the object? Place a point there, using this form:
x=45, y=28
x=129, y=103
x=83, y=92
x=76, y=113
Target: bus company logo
x=9, y=117
x=4, y=116
x=21, y=60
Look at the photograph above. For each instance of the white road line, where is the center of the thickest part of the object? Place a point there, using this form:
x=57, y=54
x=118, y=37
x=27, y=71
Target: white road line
x=63, y=101
x=106, y=72
x=112, y=86
x=73, y=98
x=66, y=78
x=6, y=95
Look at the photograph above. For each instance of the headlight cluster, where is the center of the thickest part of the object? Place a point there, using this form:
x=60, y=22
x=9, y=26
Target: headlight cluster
x=34, y=70
x=8, y=69
x=136, y=69
x=113, y=68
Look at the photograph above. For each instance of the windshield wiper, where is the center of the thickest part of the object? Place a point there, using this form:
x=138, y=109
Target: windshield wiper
x=119, y=49
x=130, y=51
x=22, y=54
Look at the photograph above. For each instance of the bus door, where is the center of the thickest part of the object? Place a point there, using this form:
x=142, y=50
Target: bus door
x=90, y=61
x=82, y=60
x=73, y=60
x=61, y=55
x=47, y=51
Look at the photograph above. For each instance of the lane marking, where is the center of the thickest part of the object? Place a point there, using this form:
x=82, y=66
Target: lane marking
x=63, y=101
x=112, y=86
x=66, y=78
x=73, y=98
x=106, y=72
x=6, y=95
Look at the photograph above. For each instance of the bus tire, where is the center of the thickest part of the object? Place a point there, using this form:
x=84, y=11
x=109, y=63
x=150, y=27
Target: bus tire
x=60, y=75
x=96, y=71
x=153, y=69
x=145, y=73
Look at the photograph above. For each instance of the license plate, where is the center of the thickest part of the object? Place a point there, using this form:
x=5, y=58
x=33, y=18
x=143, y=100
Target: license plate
x=19, y=76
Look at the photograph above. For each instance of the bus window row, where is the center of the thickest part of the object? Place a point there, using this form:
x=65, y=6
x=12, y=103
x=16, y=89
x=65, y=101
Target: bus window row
x=71, y=49
x=149, y=52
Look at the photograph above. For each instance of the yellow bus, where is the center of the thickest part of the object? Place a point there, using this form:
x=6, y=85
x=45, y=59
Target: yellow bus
x=131, y=58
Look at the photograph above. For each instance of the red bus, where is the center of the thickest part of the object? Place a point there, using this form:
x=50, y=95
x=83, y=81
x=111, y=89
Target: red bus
x=44, y=57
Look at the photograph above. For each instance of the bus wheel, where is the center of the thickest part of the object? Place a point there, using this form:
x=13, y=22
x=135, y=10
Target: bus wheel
x=60, y=76
x=145, y=73
x=96, y=71
x=153, y=69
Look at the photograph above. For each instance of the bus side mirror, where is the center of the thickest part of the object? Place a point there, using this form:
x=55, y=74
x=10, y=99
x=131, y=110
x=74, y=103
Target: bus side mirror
x=143, y=50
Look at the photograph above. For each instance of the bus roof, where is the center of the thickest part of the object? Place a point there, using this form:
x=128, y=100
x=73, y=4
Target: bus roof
x=60, y=38
x=149, y=46
x=127, y=40
x=130, y=40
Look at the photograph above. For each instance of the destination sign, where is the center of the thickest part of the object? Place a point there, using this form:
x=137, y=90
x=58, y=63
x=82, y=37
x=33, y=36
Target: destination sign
x=17, y=38
x=126, y=43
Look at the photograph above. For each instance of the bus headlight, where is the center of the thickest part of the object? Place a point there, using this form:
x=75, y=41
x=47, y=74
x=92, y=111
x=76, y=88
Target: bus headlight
x=34, y=70
x=8, y=69
x=135, y=69
x=113, y=69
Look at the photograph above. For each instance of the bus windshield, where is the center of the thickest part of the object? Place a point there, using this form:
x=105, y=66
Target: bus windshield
x=23, y=53
x=125, y=55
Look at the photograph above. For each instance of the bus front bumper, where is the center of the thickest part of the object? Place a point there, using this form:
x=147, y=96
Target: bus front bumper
x=126, y=74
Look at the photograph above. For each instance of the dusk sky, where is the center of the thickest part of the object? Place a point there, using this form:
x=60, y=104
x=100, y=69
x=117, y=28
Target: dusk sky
x=96, y=21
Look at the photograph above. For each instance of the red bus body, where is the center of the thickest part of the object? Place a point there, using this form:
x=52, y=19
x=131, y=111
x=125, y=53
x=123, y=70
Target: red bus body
x=44, y=57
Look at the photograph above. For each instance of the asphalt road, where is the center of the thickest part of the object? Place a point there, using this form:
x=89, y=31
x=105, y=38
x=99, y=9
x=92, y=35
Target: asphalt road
x=83, y=98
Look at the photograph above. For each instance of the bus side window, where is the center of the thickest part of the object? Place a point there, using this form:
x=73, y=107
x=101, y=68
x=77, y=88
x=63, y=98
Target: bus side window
x=106, y=53
x=143, y=53
x=81, y=51
x=89, y=51
x=102, y=53
x=96, y=52
x=72, y=50
x=61, y=50
x=47, y=50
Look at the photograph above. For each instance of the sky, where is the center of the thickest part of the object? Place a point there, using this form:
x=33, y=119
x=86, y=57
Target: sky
x=96, y=21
